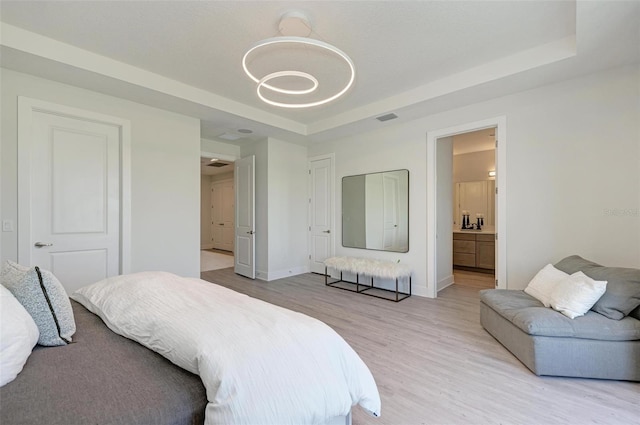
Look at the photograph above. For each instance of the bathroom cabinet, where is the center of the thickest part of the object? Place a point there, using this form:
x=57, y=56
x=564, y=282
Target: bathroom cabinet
x=474, y=250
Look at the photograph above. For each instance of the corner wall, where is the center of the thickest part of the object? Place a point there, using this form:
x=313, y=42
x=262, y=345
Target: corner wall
x=281, y=208
x=288, y=209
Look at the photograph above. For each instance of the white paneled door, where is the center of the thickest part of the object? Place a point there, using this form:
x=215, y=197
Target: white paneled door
x=321, y=212
x=245, y=252
x=73, y=201
x=222, y=214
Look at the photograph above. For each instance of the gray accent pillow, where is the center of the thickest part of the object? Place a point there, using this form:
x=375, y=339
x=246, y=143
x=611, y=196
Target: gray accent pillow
x=623, y=285
x=43, y=296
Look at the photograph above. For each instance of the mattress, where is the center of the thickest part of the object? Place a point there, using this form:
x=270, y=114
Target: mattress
x=101, y=378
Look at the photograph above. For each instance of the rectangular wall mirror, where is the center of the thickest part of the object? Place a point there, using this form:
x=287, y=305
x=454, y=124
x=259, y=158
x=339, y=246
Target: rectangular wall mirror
x=375, y=211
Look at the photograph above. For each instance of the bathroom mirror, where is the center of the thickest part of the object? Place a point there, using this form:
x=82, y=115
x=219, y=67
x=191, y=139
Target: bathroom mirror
x=476, y=197
x=375, y=211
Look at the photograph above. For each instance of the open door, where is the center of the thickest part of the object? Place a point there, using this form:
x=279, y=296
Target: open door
x=245, y=254
x=320, y=212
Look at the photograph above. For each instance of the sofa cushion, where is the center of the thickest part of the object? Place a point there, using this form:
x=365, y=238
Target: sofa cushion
x=623, y=285
x=533, y=318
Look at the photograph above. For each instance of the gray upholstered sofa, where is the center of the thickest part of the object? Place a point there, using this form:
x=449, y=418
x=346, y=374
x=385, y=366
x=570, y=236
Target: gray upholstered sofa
x=590, y=346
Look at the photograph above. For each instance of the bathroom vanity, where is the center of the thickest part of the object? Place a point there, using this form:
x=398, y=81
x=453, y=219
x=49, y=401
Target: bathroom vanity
x=474, y=249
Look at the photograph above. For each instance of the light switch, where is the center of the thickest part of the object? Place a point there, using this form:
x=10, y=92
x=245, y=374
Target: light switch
x=7, y=225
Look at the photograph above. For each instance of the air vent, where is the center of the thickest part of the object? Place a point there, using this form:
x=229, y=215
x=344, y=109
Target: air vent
x=218, y=164
x=387, y=117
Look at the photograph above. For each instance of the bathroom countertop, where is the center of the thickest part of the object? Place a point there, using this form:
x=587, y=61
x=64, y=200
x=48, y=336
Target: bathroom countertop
x=486, y=230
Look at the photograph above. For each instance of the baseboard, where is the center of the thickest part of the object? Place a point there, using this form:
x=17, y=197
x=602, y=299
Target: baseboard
x=206, y=246
x=279, y=274
x=443, y=283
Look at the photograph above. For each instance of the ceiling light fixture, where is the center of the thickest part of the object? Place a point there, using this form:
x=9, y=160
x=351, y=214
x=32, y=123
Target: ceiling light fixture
x=295, y=28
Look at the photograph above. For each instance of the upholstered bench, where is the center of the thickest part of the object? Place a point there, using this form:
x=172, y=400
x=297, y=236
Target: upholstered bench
x=371, y=268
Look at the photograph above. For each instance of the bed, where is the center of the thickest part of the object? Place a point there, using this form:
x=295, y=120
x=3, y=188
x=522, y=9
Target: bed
x=101, y=378
x=212, y=356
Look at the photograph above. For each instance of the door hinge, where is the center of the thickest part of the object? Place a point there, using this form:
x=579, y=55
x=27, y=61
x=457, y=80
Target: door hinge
x=309, y=172
x=496, y=143
x=496, y=190
x=309, y=256
x=496, y=283
x=309, y=200
x=309, y=228
x=496, y=236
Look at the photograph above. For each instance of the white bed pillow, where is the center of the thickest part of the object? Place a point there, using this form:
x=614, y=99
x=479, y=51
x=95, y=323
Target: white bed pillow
x=18, y=335
x=575, y=295
x=544, y=282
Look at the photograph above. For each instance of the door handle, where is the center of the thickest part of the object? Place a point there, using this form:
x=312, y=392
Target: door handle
x=220, y=224
x=41, y=244
x=326, y=231
x=250, y=232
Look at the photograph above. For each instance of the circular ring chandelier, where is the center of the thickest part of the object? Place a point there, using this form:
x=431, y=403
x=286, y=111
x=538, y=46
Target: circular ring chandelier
x=266, y=83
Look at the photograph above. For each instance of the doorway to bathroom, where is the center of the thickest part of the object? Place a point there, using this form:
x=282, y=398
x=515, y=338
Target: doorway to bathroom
x=473, y=235
x=466, y=209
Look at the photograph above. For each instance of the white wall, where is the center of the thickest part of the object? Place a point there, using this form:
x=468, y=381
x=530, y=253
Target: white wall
x=281, y=208
x=287, y=209
x=165, y=150
x=390, y=148
x=206, y=239
x=573, y=170
x=221, y=177
x=474, y=166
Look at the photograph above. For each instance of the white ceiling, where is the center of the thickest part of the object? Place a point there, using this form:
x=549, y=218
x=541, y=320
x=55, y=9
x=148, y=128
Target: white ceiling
x=412, y=57
x=206, y=167
x=474, y=141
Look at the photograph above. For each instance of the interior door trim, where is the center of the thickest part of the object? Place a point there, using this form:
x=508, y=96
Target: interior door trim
x=26, y=107
x=500, y=123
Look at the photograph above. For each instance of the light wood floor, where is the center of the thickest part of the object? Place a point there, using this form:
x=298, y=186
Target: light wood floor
x=434, y=364
x=474, y=279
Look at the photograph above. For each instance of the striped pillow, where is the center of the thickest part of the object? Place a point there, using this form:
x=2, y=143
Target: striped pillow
x=43, y=296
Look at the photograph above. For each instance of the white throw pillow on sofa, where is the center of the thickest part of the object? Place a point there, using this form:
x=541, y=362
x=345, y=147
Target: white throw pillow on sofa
x=18, y=335
x=544, y=282
x=575, y=295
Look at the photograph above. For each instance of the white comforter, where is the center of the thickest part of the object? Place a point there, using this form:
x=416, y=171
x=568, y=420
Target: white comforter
x=260, y=364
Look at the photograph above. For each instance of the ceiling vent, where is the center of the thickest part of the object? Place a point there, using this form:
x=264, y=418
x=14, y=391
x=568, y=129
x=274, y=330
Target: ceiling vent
x=218, y=164
x=387, y=117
